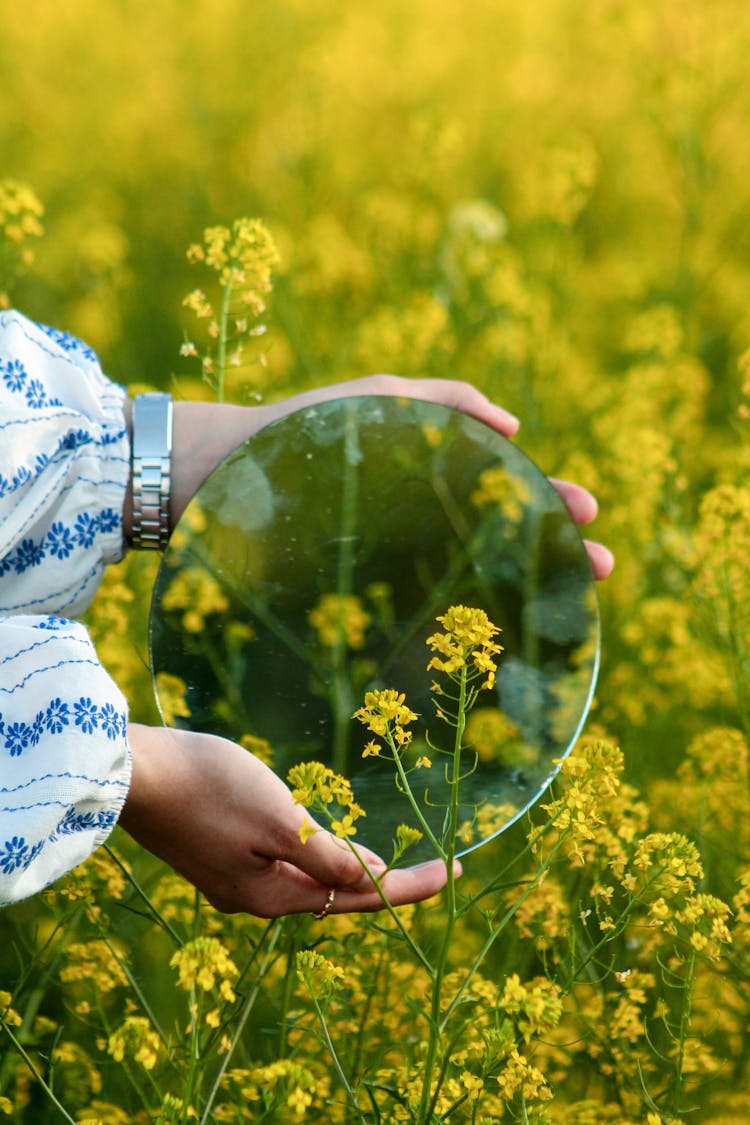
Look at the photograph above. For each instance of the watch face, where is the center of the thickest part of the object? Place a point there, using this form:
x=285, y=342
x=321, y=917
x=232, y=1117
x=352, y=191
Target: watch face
x=312, y=568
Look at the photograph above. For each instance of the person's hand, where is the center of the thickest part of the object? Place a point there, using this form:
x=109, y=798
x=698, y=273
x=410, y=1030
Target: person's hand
x=205, y=433
x=228, y=824
x=461, y=396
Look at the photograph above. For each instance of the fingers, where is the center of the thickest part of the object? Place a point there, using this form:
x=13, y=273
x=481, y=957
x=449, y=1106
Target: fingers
x=444, y=392
x=584, y=508
x=400, y=886
x=601, y=558
x=459, y=396
x=579, y=501
x=283, y=889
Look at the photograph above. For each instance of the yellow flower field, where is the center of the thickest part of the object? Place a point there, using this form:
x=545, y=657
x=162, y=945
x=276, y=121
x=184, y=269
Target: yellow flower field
x=549, y=200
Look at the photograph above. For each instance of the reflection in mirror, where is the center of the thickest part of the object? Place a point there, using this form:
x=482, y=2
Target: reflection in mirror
x=310, y=569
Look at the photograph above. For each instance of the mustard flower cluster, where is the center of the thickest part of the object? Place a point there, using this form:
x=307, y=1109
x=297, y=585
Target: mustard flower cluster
x=467, y=642
x=241, y=259
x=322, y=790
x=20, y=221
x=201, y=963
x=136, y=1039
x=386, y=715
x=340, y=619
x=198, y=595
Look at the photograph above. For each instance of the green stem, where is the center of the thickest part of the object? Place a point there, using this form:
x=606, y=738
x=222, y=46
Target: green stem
x=221, y=356
x=136, y=989
x=334, y=1057
x=498, y=929
x=30, y=1064
x=275, y=930
x=139, y=891
x=342, y=699
x=429, y=1098
x=406, y=788
x=376, y=882
x=684, y=1024
x=195, y=1054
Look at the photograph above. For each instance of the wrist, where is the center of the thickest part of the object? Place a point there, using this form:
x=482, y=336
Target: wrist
x=148, y=750
x=151, y=472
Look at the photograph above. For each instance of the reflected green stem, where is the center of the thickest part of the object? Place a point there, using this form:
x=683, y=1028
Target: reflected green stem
x=269, y=620
x=341, y=694
x=530, y=631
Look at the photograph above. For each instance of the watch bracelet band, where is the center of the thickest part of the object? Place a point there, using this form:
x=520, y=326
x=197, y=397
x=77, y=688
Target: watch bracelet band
x=151, y=464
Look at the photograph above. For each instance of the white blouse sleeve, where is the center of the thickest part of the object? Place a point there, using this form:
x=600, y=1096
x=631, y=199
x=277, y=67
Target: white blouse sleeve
x=64, y=464
x=65, y=766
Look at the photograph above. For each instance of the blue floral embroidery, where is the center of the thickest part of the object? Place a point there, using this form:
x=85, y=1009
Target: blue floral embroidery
x=28, y=554
x=14, y=375
x=89, y=717
x=37, y=728
x=17, y=738
x=56, y=716
x=110, y=720
x=67, y=342
x=60, y=541
x=85, y=529
x=81, y=822
x=108, y=520
x=75, y=439
x=52, y=622
x=16, y=853
x=36, y=396
x=86, y=715
x=22, y=476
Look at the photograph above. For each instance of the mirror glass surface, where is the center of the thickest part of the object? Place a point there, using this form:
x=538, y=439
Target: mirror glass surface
x=310, y=568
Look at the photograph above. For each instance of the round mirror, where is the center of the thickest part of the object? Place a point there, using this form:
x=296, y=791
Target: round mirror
x=310, y=568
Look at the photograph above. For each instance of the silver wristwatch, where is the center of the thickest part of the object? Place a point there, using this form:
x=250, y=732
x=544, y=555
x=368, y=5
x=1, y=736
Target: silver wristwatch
x=152, y=453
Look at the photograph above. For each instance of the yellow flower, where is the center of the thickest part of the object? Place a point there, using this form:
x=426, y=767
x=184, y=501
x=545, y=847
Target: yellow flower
x=385, y=714
x=500, y=489
x=8, y=1015
x=318, y=972
x=306, y=830
x=171, y=691
x=94, y=964
x=340, y=619
x=344, y=827
x=472, y=1084
x=136, y=1039
x=201, y=961
x=468, y=636
x=259, y=747
x=406, y=836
